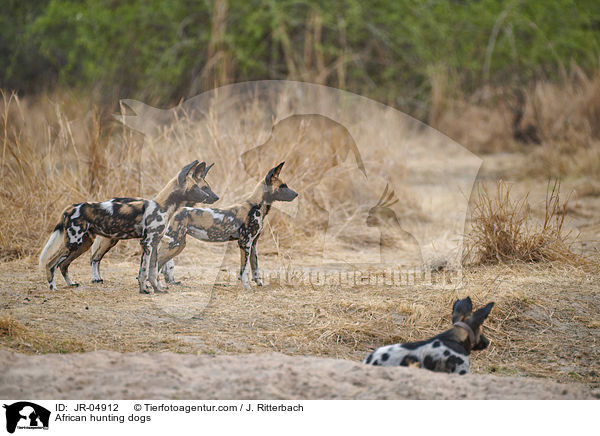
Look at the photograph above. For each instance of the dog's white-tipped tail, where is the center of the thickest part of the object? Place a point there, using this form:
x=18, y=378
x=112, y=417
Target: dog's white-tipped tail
x=52, y=246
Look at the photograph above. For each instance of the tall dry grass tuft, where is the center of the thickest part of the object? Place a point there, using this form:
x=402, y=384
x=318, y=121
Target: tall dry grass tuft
x=49, y=161
x=563, y=116
x=54, y=155
x=503, y=229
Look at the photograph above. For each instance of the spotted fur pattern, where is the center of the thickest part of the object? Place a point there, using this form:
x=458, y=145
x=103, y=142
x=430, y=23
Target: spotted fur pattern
x=433, y=354
x=123, y=218
x=242, y=222
x=447, y=352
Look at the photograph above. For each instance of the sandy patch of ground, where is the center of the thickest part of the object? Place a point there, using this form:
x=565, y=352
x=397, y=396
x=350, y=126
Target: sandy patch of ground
x=111, y=375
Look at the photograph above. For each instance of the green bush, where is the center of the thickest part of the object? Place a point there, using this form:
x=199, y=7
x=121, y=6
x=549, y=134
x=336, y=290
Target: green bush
x=165, y=50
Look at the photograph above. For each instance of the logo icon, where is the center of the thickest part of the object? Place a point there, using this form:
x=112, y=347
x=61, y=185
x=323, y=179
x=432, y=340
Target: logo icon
x=26, y=415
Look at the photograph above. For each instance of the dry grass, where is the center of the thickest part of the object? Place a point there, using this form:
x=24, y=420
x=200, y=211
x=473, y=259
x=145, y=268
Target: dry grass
x=544, y=324
x=56, y=154
x=503, y=229
x=17, y=336
x=565, y=117
x=49, y=162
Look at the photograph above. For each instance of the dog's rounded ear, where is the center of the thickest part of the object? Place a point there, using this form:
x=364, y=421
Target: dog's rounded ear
x=273, y=172
x=480, y=315
x=201, y=171
x=185, y=171
x=461, y=309
x=208, y=168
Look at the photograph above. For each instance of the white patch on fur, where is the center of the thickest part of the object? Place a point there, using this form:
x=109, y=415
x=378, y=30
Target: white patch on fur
x=76, y=212
x=216, y=215
x=51, y=247
x=96, y=270
x=157, y=222
x=167, y=270
x=107, y=206
x=198, y=233
x=149, y=209
x=244, y=275
x=75, y=234
x=396, y=353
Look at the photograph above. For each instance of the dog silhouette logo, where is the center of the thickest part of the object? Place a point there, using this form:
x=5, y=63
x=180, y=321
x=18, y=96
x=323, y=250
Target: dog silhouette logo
x=26, y=415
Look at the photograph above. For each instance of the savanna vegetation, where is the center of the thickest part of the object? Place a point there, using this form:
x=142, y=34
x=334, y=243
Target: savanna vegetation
x=517, y=82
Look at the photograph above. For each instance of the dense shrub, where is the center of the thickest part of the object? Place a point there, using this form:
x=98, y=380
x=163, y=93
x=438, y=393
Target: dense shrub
x=394, y=51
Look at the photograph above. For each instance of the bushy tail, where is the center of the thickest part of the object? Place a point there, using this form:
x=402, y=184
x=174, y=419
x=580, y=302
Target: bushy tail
x=54, y=244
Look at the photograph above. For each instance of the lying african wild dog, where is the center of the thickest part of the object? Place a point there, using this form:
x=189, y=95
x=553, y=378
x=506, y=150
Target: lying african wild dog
x=242, y=222
x=124, y=218
x=447, y=352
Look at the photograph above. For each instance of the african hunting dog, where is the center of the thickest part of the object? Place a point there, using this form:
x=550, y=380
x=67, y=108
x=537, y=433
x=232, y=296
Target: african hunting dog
x=242, y=222
x=124, y=218
x=447, y=352
x=103, y=245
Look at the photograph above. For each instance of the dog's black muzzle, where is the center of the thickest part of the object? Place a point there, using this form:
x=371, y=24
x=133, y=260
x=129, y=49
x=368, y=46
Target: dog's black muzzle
x=482, y=344
x=203, y=195
x=286, y=194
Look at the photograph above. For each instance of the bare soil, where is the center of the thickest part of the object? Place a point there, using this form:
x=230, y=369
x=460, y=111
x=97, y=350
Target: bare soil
x=108, y=375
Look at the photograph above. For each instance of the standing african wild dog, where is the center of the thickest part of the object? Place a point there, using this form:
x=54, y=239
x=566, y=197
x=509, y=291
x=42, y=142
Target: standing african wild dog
x=124, y=218
x=242, y=222
x=447, y=352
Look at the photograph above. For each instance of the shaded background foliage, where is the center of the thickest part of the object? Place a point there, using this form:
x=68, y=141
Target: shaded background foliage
x=163, y=51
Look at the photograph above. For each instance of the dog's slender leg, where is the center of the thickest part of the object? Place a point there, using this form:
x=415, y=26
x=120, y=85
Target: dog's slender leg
x=100, y=248
x=153, y=266
x=166, y=254
x=245, y=264
x=86, y=243
x=51, y=283
x=144, y=264
x=254, y=263
x=168, y=272
x=52, y=265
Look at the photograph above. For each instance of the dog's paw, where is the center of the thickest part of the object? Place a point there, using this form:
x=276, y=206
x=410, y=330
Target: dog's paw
x=159, y=288
x=176, y=283
x=259, y=282
x=97, y=281
x=74, y=285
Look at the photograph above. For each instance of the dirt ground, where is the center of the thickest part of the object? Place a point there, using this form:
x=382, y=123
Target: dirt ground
x=545, y=324
x=107, y=375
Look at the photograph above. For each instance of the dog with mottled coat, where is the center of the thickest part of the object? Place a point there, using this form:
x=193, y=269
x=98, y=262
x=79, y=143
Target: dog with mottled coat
x=124, y=218
x=447, y=352
x=241, y=222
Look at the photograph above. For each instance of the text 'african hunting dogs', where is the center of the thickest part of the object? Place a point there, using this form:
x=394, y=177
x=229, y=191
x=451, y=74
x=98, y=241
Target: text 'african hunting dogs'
x=242, y=222
x=447, y=352
x=125, y=218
